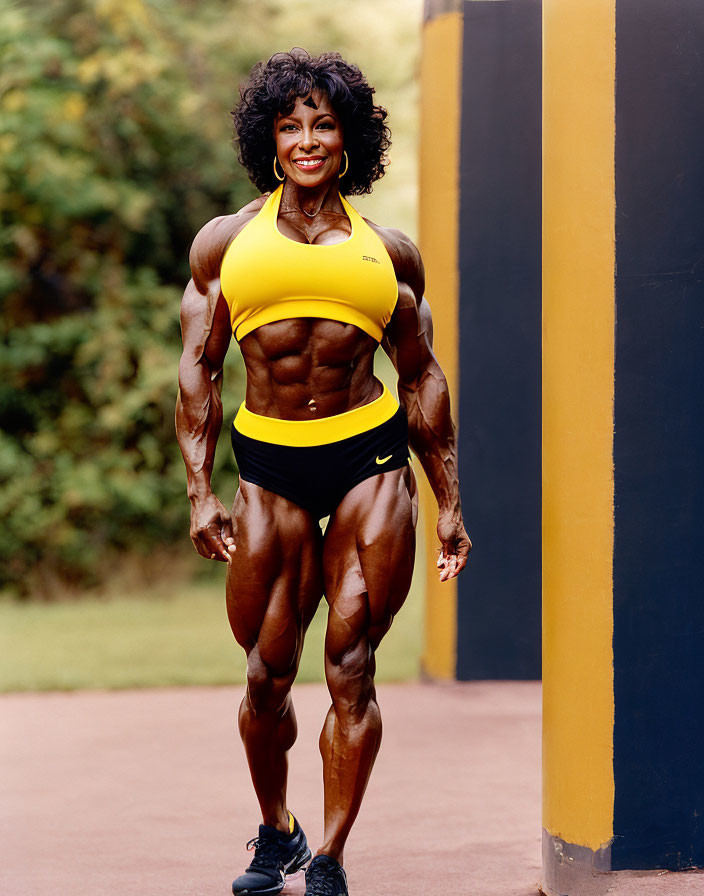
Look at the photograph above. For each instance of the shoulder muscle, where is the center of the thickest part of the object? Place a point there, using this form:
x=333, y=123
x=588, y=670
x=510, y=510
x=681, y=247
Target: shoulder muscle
x=404, y=256
x=212, y=240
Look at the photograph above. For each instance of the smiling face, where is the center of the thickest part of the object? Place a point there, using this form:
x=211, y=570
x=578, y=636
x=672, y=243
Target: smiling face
x=309, y=141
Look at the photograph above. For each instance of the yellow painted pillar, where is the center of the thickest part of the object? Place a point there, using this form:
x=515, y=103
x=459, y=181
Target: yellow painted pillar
x=439, y=221
x=578, y=395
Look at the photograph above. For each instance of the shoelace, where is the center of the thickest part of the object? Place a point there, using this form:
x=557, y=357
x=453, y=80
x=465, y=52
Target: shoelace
x=321, y=884
x=266, y=852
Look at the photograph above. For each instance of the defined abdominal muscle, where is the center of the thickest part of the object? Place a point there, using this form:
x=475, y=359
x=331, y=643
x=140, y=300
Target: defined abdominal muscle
x=305, y=368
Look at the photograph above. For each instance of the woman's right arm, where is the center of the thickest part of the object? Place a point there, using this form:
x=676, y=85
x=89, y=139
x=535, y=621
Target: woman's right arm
x=206, y=331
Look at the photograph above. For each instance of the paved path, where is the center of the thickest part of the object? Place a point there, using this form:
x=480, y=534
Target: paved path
x=147, y=792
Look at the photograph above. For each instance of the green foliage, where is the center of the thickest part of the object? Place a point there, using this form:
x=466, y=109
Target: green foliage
x=112, y=158
x=115, y=148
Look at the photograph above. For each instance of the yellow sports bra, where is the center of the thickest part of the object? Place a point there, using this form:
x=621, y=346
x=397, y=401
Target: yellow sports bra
x=265, y=276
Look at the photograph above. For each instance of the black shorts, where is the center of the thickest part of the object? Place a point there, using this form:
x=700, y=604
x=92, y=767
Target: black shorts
x=317, y=477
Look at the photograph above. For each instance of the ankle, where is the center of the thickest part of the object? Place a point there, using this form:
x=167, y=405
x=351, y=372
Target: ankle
x=280, y=822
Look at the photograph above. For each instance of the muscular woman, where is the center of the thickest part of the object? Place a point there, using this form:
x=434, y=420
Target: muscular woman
x=310, y=289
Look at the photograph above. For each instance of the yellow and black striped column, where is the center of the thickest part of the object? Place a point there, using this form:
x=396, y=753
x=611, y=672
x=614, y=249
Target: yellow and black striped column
x=480, y=237
x=623, y=440
x=619, y=400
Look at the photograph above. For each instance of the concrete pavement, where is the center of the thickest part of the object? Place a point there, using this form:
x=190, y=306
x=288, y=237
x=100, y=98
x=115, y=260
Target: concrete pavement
x=148, y=792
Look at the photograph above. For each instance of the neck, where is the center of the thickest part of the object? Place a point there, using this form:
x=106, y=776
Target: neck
x=311, y=200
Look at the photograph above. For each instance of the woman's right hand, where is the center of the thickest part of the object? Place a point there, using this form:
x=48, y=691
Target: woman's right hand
x=211, y=529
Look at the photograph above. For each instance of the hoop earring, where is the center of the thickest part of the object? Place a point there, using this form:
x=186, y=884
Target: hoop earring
x=276, y=173
x=347, y=164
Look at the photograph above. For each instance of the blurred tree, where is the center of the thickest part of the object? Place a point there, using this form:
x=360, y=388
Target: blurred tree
x=115, y=148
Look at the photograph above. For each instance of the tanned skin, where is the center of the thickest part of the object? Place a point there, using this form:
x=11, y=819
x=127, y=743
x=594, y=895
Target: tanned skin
x=279, y=564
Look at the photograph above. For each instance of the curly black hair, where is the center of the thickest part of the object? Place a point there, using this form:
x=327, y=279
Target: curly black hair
x=272, y=88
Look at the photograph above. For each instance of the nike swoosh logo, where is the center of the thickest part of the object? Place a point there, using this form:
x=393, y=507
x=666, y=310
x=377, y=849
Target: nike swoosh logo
x=382, y=460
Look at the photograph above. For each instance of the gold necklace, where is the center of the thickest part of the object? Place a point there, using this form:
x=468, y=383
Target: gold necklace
x=308, y=214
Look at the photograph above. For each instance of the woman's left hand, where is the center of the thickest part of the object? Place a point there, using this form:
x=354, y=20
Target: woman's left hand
x=455, y=545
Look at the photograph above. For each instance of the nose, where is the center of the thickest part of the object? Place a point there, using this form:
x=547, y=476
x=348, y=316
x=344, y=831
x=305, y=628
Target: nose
x=308, y=139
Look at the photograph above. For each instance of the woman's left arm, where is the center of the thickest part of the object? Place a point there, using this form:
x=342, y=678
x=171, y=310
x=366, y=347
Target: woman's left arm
x=424, y=394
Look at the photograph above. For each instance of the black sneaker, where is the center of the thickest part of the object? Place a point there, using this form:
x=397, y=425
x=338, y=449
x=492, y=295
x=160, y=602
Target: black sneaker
x=275, y=855
x=325, y=877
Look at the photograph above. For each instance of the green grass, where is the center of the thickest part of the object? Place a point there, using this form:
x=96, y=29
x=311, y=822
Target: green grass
x=161, y=638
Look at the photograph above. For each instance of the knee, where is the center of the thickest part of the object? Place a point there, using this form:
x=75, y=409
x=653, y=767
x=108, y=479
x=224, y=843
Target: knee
x=350, y=678
x=267, y=691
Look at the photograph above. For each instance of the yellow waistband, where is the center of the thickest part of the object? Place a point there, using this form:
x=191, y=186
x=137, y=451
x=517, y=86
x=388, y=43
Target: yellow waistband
x=307, y=433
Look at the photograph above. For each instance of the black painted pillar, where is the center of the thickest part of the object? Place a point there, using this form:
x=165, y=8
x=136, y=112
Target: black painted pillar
x=498, y=597
x=659, y=436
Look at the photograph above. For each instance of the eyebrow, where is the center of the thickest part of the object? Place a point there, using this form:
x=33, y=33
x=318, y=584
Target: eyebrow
x=293, y=117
